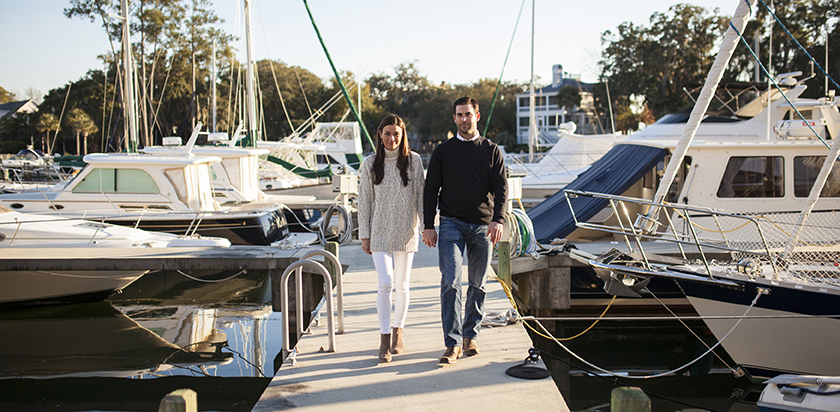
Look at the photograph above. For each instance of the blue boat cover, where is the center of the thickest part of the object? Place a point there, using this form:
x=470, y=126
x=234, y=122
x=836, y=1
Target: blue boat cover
x=613, y=173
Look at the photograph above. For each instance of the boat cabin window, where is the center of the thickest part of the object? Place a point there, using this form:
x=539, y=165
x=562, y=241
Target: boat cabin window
x=805, y=171
x=759, y=176
x=117, y=180
x=791, y=115
x=677, y=185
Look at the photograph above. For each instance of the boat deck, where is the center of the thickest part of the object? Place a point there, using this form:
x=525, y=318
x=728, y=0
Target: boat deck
x=353, y=379
x=183, y=258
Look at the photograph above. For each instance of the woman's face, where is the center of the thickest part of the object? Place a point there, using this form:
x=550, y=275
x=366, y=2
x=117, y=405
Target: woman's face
x=391, y=136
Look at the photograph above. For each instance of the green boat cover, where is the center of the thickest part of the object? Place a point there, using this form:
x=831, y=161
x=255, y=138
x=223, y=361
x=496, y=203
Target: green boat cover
x=301, y=171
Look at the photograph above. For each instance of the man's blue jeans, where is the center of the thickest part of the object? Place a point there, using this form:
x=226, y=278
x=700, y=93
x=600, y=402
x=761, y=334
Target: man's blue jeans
x=456, y=237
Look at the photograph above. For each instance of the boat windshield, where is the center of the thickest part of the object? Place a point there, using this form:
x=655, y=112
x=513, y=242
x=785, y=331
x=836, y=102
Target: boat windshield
x=682, y=117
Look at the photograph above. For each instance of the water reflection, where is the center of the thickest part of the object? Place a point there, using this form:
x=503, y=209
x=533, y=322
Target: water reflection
x=645, y=347
x=165, y=332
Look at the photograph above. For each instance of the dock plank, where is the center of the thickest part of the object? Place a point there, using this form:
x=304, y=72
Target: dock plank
x=353, y=379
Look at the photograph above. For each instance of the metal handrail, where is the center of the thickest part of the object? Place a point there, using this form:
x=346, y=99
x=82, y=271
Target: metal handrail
x=284, y=300
x=691, y=238
x=339, y=284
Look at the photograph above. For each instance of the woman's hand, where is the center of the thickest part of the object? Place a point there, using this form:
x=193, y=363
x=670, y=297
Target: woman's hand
x=366, y=245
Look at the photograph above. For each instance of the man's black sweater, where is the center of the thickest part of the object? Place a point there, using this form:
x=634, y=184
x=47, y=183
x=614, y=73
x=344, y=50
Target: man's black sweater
x=467, y=181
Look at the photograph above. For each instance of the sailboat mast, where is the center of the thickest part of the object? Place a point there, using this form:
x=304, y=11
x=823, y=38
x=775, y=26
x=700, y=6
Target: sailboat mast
x=532, y=117
x=213, y=89
x=130, y=126
x=250, y=105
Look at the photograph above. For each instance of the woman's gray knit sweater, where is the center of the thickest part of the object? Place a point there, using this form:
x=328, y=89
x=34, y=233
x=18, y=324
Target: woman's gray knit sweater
x=390, y=213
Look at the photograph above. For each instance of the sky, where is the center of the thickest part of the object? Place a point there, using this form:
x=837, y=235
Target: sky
x=457, y=42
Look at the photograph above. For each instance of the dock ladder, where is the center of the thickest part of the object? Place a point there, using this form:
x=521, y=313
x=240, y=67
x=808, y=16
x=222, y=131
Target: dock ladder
x=297, y=267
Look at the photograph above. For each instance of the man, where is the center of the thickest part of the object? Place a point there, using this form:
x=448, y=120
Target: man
x=466, y=181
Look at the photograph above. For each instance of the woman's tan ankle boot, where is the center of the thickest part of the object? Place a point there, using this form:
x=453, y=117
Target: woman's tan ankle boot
x=385, y=347
x=397, y=340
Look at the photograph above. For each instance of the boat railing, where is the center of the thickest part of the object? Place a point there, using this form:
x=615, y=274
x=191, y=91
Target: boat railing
x=21, y=223
x=755, y=242
x=549, y=162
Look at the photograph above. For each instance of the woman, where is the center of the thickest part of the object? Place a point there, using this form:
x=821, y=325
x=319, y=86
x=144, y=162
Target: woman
x=390, y=212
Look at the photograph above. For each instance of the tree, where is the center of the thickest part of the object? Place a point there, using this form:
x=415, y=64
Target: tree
x=46, y=123
x=568, y=97
x=16, y=132
x=95, y=94
x=656, y=62
x=6, y=96
x=80, y=122
x=173, y=35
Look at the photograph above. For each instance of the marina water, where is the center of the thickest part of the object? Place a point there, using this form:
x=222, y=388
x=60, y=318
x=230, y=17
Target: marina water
x=168, y=331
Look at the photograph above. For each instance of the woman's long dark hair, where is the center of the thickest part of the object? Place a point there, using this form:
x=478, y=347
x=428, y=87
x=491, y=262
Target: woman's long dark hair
x=404, y=152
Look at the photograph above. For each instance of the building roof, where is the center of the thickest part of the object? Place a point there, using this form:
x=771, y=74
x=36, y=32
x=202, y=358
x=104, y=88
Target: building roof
x=551, y=90
x=23, y=106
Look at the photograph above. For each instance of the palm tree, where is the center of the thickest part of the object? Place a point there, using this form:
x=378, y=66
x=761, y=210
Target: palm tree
x=80, y=122
x=47, y=123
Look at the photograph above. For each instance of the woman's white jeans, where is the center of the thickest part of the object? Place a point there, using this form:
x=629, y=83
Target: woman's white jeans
x=394, y=270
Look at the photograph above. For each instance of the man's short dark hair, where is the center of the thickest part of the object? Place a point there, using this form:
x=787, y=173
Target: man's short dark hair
x=463, y=101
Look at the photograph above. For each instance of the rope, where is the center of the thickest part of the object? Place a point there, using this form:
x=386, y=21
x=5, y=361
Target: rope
x=659, y=375
x=345, y=233
x=209, y=280
x=764, y=69
x=731, y=369
x=499, y=84
x=800, y=46
x=522, y=239
x=519, y=317
x=548, y=334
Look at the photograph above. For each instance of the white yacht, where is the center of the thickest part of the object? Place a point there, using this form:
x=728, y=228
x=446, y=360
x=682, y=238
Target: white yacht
x=763, y=161
x=41, y=235
x=172, y=193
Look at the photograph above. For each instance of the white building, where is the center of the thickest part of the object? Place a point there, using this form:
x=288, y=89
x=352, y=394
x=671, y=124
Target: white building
x=549, y=115
x=14, y=108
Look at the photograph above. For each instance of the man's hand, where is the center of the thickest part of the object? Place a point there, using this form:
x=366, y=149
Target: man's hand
x=366, y=245
x=430, y=237
x=494, y=231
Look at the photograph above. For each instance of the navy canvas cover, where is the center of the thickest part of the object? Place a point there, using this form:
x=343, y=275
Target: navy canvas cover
x=613, y=173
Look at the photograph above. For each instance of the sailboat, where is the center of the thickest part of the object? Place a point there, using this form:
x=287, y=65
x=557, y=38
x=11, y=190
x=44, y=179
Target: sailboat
x=772, y=292
x=169, y=193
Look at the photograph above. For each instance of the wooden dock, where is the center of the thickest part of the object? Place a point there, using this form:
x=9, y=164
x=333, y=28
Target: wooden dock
x=352, y=378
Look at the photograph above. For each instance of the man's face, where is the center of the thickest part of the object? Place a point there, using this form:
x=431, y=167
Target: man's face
x=466, y=118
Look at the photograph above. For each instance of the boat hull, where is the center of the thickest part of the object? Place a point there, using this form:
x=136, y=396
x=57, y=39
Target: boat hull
x=797, y=333
x=27, y=288
x=251, y=229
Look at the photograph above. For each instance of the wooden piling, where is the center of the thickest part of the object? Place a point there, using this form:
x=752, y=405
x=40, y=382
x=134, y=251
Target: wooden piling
x=181, y=400
x=504, y=262
x=629, y=399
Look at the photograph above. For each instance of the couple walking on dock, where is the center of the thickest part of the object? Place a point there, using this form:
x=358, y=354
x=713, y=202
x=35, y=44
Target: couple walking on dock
x=466, y=181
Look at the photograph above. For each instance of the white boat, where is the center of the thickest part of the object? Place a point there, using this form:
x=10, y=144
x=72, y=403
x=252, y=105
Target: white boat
x=41, y=234
x=800, y=393
x=773, y=310
x=772, y=292
x=310, y=160
x=160, y=193
x=568, y=158
x=733, y=163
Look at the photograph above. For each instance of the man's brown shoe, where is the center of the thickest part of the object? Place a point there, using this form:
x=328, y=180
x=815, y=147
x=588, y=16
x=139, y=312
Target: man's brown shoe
x=451, y=355
x=470, y=347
